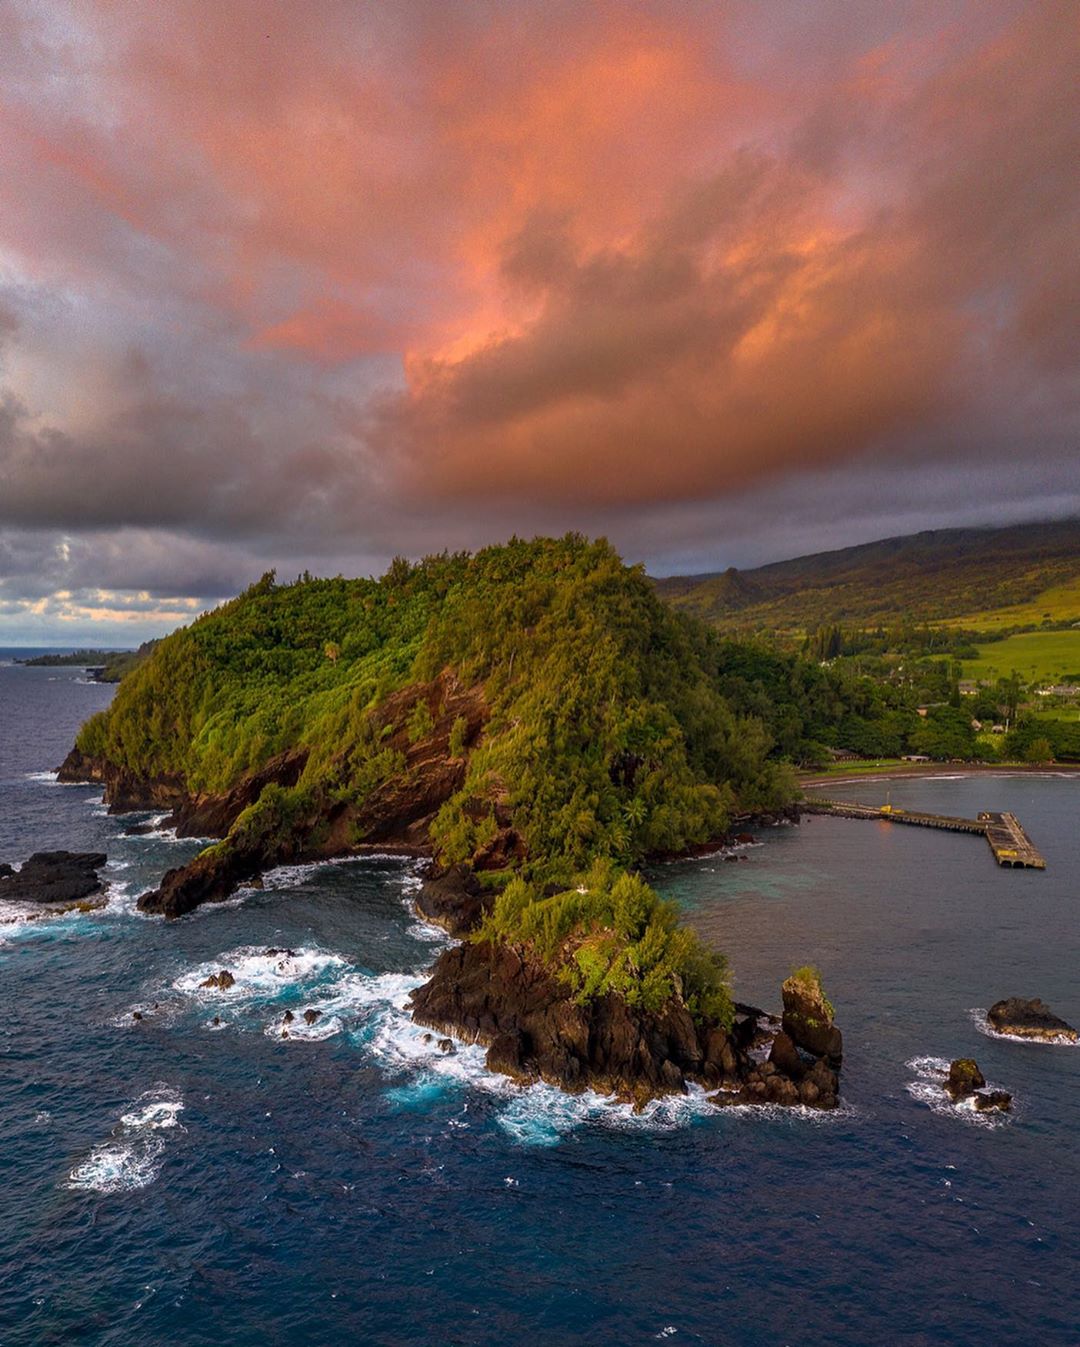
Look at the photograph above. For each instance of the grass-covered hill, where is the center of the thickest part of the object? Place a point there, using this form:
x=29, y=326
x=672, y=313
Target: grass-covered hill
x=533, y=707
x=966, y=576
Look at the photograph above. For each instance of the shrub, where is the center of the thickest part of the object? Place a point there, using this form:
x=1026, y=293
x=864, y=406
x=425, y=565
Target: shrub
x=612, y=933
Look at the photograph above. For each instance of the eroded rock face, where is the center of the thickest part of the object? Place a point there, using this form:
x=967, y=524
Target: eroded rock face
x=1028, y=1019
x=453, y=899
x=54, y=877
x=211, y=877
x=534, y=1029
x=808, y=1019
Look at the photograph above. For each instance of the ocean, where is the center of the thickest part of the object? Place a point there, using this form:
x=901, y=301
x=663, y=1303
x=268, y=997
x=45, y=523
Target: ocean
x=213, y=1173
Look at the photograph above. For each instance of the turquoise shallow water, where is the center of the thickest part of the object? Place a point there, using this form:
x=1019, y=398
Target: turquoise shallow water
x=173, y=1180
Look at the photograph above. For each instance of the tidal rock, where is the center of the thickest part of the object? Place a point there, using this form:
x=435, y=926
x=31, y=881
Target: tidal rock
x=987, y=1100
x=808, y=1016
x=310, y=1016
x=222, y=980
x=1028, y=1019
x=53, y=877
x=288, y=1017
x=964, y=1078
x=446, y=1045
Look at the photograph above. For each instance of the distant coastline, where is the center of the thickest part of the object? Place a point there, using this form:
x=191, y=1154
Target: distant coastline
x=915, y=770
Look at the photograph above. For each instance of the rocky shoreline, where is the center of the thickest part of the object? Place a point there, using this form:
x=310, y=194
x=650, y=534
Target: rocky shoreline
x=534, y=1028
x=527, y=1018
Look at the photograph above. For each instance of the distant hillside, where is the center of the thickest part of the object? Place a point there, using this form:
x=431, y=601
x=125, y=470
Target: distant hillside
x=937, y=576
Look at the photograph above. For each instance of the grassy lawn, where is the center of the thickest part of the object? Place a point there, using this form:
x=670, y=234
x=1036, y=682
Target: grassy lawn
x=1060, y=603
x=1045, y=656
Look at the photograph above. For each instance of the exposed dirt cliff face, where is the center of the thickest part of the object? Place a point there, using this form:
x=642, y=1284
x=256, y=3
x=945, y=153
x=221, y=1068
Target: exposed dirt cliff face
x=395, y=815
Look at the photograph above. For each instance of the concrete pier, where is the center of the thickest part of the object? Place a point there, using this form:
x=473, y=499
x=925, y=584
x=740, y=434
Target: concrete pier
x=1008, y=841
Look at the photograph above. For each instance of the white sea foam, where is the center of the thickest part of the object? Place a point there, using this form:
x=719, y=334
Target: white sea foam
x=258, y=974
x=978, y=1018
x=132, y=1157
x=929, y=1089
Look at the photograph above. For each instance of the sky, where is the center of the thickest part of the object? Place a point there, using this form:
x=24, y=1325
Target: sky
x=311, y=285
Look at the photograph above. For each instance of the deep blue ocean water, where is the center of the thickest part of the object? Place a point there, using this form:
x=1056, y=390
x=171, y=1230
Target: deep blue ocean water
x=180, y=1181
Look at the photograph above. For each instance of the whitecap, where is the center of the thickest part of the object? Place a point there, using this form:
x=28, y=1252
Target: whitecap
x=258, y=974
x=978, y=1018
x=132, y=1157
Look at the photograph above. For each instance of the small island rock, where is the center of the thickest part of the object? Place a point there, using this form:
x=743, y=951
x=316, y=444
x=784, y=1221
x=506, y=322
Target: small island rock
x=964, y=1078
x=1028, y=1019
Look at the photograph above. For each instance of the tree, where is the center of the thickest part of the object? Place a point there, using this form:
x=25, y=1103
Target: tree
x=1039, y=750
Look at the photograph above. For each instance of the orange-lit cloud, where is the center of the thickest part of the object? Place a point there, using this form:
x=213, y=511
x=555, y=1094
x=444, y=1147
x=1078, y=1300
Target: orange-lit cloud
x=335, y=269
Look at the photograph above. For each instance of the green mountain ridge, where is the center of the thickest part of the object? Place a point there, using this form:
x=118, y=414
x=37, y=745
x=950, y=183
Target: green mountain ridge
x=926, y=577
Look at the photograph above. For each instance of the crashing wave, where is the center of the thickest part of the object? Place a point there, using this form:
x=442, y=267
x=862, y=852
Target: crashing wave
x=133, y=1156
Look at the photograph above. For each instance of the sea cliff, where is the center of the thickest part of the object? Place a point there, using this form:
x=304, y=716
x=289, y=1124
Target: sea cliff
x=522, y=717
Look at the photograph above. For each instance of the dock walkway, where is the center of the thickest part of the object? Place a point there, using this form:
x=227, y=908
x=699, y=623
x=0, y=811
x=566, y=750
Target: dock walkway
x=1008, y=841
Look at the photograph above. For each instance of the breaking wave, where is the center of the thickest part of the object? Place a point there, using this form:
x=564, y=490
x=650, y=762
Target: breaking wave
x=133, y=1156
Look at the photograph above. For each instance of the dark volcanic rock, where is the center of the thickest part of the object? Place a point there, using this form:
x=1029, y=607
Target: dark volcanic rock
x=535, y=1029
x=808, y=1019
x=454, y=899
x=986, y=1100
x=964, y=1078
x=211, y=877
x=785, y=1056
x=1028, y=1019
x=192, y=815
x=223, y=980
x=310, y=1016
x=53, y=877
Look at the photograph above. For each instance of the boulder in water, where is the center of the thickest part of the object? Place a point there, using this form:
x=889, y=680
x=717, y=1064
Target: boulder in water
x=987, y=1101
x=964, y=1078
x=1028, y=1019
x=53, y=877
x=310, y=1016
x=223, y=980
